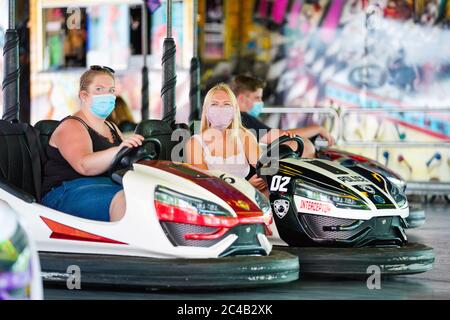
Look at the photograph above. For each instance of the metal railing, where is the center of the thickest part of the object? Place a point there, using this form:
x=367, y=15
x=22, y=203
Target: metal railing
x=379, y=111
x=423, y=188
x=284, y=110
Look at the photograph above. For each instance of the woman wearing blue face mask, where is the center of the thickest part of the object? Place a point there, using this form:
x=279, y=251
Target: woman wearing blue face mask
x=80, y=151
x=223, y=143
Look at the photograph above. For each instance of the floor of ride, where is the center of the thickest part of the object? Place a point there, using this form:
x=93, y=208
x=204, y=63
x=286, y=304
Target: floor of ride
x=434, y=284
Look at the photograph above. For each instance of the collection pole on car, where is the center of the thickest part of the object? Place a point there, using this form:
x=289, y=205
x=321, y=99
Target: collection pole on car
x=10, y=85
x=194, y=92
x=145, y=84
x=169, y=78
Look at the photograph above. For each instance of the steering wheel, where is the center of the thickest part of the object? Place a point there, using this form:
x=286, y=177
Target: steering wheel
x=149, y=150
x=284, y=151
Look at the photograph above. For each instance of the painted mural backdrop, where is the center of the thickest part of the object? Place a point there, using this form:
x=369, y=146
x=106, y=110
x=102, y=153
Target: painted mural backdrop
x=55, y=92
x=393, y=55
x=108, y=36
x=159, y=31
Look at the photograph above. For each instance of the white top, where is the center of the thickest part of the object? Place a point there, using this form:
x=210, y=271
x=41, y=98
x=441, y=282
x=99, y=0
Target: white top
x=236, y=165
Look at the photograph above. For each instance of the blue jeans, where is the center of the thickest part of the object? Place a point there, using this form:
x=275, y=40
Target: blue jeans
x=87, y=198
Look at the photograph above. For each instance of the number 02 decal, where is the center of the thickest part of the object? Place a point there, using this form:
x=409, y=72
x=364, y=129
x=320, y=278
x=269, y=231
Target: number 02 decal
x=279, y=183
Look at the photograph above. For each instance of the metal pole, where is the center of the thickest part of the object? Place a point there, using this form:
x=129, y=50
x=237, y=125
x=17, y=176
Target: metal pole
x=195, y=38
x=145, y=83
x=169, y=78
x=169, y=18
x=11, y=70
x=194, y=92
x=12, y=14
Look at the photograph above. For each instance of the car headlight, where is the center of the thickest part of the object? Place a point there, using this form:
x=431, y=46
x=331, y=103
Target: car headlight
x=189, y=204
x=339, y=200
x=400, y=199
x=398, y=196
x=263, y=203
x=400, y=184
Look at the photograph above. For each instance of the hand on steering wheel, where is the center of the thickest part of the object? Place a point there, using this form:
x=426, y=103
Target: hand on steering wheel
x=325, y=134
x=288, y=133
x=133, y=149
x=133, y=141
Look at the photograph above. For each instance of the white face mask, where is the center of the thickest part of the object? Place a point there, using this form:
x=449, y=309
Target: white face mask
x=220, y=117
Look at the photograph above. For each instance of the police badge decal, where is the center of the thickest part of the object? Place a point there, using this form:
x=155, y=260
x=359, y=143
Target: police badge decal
x=281, y=207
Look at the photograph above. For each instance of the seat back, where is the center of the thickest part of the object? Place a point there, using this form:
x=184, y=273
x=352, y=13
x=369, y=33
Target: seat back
x=46, y=128
x=20, y=162
x=159, y=133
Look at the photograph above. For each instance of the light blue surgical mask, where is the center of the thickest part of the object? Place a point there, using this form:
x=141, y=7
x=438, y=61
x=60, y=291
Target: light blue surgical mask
x=255, y=111
x=103, y=105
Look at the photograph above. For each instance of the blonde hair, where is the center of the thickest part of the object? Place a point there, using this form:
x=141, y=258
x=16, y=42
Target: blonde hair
x=236, y=125
x=88, y=76
x=121, y=112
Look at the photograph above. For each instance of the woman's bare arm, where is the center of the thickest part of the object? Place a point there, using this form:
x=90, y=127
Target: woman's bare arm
x=195, y=154
x=75, y=145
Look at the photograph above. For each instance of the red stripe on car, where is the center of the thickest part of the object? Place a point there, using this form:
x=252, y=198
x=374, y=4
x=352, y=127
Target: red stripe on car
x=61, y=231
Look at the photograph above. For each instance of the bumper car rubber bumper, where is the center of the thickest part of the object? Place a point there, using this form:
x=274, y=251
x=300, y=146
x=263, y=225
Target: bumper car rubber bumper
x=416, y=216
x=354, y=262
x=176, y=274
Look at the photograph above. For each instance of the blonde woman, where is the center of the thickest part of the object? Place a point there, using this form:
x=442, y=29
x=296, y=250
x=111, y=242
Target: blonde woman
x=223, y=143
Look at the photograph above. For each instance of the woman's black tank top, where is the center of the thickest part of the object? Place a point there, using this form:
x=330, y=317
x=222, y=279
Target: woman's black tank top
x=57, y=169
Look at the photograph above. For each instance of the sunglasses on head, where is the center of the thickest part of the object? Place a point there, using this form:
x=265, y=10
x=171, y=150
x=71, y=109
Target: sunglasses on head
x=97, y=68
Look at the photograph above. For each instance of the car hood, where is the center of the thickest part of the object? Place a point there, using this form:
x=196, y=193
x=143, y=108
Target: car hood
x=192, y=181
x=370, y=186
x=340, y=156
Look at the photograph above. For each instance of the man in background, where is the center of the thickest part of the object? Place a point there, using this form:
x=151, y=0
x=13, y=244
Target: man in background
x=249, y=93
